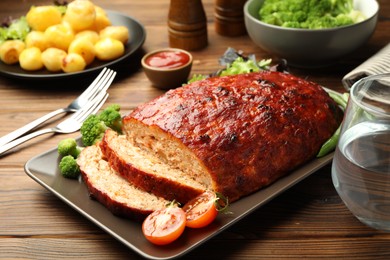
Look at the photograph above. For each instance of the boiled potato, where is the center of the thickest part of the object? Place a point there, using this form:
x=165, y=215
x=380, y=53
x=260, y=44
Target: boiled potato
x=31, y=59
x=67, y=41
x=59, y=36
x=52, y=59
x=89, y=35
x=10, y=51
x=101, y=20
x=80, y=14
x=36, y=39
x=120, y=33
x=39, y=18
x=84, y=47
x=109, y=49
x=73, y=62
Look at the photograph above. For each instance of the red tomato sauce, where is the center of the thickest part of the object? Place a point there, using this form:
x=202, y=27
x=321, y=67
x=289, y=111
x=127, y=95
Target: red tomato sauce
x=167, y=59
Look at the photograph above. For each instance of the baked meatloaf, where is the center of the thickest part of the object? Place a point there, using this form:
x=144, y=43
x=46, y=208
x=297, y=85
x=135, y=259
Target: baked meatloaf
x=236, y=134
x=113, y=191
x=147, y=171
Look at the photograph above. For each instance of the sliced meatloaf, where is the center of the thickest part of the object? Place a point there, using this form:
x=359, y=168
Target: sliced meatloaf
x=147, y=171
x=113, y=191
x=234, y=134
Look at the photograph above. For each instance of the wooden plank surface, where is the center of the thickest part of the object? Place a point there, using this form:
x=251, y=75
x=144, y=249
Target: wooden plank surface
x=307, y=221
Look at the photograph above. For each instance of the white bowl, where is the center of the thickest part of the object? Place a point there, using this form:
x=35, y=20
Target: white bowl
x=310, y=47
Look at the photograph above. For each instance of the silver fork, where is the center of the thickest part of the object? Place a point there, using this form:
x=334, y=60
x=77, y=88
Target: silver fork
x=101, y=83
x=69, y=125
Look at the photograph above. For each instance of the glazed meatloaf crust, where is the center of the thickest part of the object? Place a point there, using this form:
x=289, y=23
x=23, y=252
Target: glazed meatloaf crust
x=236, y=134
x=113, y=191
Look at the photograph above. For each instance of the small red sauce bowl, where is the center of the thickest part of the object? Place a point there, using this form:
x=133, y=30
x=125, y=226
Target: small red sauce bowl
x=167, y=68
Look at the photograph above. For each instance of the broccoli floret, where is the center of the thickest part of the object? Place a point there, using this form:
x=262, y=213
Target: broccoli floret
x=69, y=149
x=309, y=14
x=69, y=167
x=69, y=146
x=292, y=24
x=318, y=8
x=326, y=21
x=341, y=6
x=112, y=118
x=92, y=130
x=343, y=19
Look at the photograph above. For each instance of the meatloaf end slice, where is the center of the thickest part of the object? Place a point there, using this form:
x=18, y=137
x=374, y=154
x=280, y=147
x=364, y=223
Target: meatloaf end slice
x=112, y=190
x=148, y=172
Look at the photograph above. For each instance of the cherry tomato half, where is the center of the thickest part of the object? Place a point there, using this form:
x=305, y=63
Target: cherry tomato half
x=164, y=226
x=201, y=211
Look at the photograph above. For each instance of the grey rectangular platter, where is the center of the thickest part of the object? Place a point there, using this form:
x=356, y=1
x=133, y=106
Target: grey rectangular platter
x=43, y=169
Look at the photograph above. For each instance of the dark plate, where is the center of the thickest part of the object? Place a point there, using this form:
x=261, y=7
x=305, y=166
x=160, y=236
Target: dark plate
x=136, y=40
x=44, y=170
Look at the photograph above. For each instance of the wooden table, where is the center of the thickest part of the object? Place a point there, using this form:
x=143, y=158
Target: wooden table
x=307, y=221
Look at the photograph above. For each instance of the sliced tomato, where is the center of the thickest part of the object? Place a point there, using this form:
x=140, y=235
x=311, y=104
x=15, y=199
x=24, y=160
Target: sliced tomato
x=202, y=210
x=164, y=226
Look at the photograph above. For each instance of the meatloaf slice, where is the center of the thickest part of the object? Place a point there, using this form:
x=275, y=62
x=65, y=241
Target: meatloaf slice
x=238, y=133
x=148, y=172
x=112, y=190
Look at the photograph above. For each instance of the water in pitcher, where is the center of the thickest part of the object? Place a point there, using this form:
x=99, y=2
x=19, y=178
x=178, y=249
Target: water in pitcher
x=361, y=172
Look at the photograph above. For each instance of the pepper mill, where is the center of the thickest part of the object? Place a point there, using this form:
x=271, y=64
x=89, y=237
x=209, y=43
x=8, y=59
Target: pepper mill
x=187, y=25
x=229, y=17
